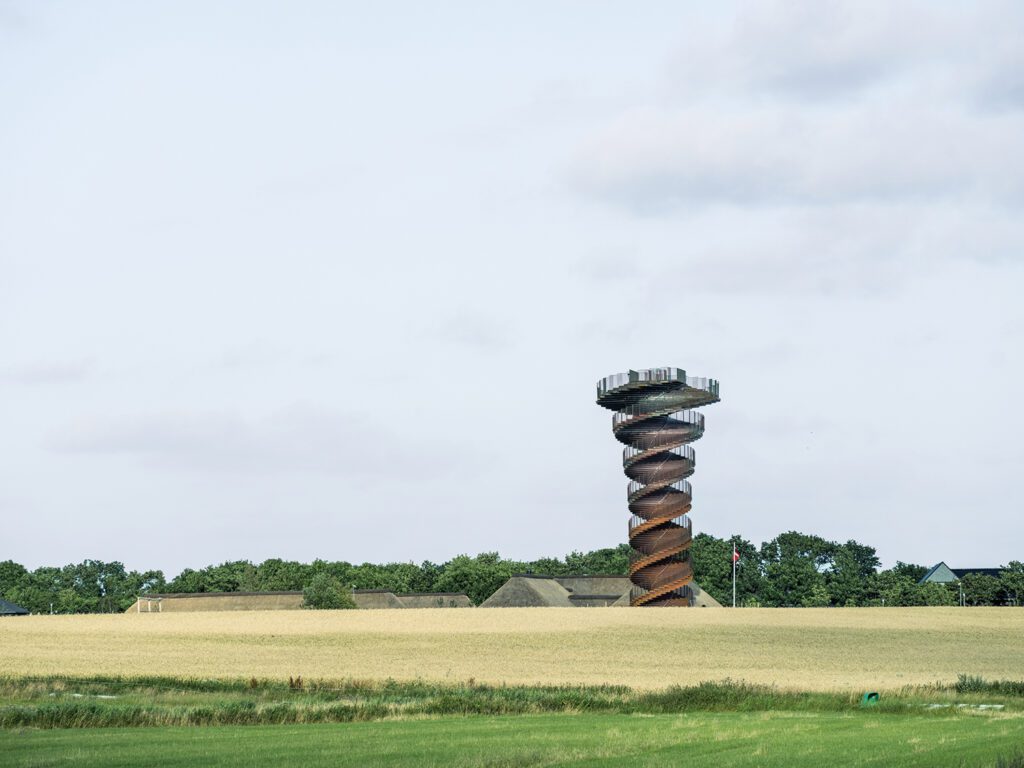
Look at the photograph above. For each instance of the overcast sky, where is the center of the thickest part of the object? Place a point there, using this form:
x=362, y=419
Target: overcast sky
x=335, y=280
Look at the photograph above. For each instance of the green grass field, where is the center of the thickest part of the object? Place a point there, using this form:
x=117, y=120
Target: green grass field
x=177, y=722
x=704, y=739
x=105, y=702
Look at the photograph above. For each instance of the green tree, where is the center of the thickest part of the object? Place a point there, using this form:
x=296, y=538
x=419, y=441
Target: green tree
x=849, y=571
x=895, y=588
x=980, y=589
x=611, y=561
x=1012, y=582
x=790, y=570
x=12, y=575
x=794, y=564
x=397, y=577
x=338, y=569
x=276, y=575
x=933, y=593
x=866, y=557
x=325, y=592
x=401, y=577
x=817, y=597
x=913, y=572
x=230, y=576
x=790, y=581
x=847, y=584
x=712, y=568
x=479, y=577
x=38, y=589
x=92, y=586
x=67, y=600
x=424, y=580
x=548, y=566
x=101, y=587
x=188, y=581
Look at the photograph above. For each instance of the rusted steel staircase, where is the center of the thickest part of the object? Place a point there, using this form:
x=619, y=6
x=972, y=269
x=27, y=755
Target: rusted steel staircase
x=654, y=418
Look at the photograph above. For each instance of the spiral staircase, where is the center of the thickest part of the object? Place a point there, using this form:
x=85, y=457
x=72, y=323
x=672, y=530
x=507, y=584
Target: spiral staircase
x=655, y=419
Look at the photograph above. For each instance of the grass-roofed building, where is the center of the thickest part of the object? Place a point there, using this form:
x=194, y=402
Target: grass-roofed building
x=528, y=590
x=188, y=602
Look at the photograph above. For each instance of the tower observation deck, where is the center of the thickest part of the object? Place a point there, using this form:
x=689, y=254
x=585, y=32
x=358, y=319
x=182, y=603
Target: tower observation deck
x=655, y=418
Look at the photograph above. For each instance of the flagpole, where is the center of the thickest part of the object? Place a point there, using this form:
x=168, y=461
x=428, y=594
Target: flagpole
x=734, y=574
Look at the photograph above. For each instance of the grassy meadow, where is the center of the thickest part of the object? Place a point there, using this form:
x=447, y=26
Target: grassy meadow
x=107, y=702
x=152, y=721
x=763, y=739
x=850, y=649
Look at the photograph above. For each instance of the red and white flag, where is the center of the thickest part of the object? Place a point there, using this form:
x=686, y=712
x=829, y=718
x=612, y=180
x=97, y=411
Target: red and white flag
x=735, y=554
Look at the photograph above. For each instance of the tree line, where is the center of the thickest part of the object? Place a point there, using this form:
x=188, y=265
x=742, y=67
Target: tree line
x=793, y=569
x=800, y=570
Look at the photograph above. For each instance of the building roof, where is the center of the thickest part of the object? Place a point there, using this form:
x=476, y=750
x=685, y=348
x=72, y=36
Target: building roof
x=993, y=572
x=431, y=594
x=162, y=595
x=535, y=590
x=10, y=609
x=575, y=596
x=528, y=591
x=701, y=598
x=943, y=574
x=570, y=576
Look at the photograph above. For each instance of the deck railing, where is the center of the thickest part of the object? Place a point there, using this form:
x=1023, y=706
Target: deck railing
x=680, y=486
x=633, y=412
x=683, y=521
x=683, y=451
x=636, y=592
x=655, y=375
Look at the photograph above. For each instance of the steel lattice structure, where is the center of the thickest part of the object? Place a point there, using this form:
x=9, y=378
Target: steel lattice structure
x=654, y=417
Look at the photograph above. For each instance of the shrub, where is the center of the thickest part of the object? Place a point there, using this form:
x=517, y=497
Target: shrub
x=975, y=684
x=324, y=591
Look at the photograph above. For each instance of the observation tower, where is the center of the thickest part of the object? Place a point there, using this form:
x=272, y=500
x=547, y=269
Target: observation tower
x=655, y=419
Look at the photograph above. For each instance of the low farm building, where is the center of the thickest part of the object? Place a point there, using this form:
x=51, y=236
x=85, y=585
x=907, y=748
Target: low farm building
x=289, y=601
x=10, y=609
x=526, y=590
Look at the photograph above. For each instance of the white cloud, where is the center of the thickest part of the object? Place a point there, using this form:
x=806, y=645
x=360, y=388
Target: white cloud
x=50, y=372
x=839, y=51
x=823, y=103
x=302, y=438
x=476, y=330
x=653, y=160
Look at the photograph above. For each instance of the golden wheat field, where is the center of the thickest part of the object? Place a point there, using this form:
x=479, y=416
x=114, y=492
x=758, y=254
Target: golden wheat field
x=805, y=648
